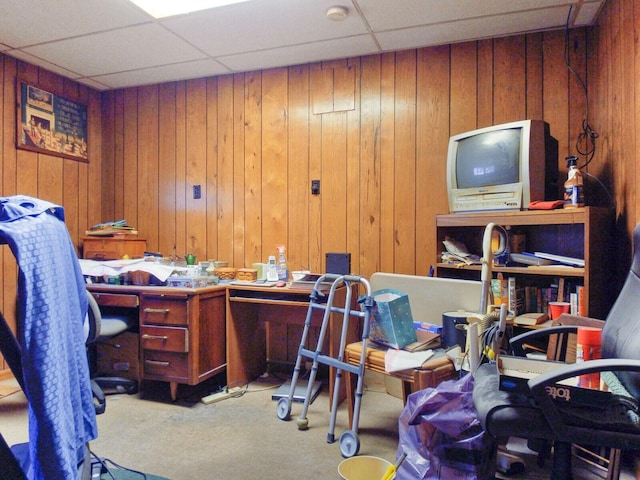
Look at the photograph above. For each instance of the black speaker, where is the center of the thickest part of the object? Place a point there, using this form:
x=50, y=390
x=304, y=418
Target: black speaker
x=339, y=263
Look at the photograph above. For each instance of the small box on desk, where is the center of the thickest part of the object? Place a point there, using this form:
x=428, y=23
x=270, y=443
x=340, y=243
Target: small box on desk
x=392, y=322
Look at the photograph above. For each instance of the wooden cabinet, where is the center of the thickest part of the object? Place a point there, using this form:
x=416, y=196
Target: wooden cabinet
x=113, y=248
x=579, y=232
x=182, y=335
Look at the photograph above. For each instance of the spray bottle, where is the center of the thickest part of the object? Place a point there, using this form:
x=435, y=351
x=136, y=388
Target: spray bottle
x=574, y=186
x=283, y=272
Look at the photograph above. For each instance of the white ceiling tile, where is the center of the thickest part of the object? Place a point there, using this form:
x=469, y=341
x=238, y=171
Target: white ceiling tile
x=312, y=52
x=20, y=55
x=387, y=15
x=260, y=25
x=28, y=22
x=476, y=28
x=120, y=50
x=165, y=73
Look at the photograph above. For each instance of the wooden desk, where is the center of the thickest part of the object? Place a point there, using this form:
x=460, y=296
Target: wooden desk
x=182, y=330
x=250, y=308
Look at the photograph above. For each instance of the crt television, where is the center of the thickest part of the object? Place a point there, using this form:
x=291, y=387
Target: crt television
x=502, y=167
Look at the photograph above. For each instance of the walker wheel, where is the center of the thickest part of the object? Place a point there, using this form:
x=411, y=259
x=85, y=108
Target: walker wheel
x=303, y=423
x=284, y=409
x=349, y=444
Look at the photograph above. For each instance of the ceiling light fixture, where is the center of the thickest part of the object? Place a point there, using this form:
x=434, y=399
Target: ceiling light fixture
x=168, y=8
x=337, y=13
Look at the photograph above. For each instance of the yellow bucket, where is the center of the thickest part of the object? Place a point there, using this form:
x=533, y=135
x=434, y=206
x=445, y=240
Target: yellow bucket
x=363, y=468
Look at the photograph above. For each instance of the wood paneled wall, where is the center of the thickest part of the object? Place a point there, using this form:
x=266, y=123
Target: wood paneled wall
x=374, y=130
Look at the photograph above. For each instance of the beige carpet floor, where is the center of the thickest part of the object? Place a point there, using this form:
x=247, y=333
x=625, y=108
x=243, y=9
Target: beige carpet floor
x=238, y=438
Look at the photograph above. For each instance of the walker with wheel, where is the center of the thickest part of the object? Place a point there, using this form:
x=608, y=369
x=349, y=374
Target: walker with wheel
x=349, y=442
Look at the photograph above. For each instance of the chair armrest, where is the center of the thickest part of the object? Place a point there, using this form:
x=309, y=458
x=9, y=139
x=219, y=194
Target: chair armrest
x=518, y=341
x=539, y=385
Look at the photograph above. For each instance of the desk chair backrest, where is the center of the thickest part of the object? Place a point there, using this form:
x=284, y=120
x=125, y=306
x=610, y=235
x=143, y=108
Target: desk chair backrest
x=621, y=332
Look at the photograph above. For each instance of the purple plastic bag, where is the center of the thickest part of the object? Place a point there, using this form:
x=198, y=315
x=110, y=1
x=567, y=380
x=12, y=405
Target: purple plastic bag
x=442, y=437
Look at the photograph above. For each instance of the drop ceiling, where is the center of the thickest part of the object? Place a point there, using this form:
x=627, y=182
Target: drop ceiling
x=110, y=44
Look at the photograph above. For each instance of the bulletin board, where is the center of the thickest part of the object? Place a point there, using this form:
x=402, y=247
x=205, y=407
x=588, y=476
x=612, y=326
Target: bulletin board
x=50, y=123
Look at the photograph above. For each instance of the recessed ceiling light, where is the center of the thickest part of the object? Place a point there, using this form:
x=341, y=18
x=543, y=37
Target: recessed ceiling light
x=168, y=8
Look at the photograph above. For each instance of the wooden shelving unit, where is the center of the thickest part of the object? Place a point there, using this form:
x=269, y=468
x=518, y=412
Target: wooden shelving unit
x=578, y=232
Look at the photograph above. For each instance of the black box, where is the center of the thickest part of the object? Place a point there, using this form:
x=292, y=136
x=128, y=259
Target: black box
x=339, y=263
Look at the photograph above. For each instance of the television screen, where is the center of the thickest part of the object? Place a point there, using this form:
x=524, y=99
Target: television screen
x=490, y=158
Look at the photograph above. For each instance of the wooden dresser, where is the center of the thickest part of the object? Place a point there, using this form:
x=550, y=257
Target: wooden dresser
x=113, y=248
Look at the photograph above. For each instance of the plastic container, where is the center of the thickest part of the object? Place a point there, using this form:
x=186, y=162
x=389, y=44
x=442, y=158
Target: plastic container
x=588, y=347
x=574, y=186
x=363, y=467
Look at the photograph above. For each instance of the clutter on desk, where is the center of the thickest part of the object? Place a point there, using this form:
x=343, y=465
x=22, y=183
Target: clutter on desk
x=109, y=229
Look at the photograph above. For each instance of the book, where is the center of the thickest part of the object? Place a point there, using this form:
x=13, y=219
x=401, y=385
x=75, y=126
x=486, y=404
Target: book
x=530, y=318
x=426, y=340
x=574, y=262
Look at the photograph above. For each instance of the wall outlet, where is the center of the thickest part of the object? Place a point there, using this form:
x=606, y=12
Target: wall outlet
x=315, y=187
x=197, y=192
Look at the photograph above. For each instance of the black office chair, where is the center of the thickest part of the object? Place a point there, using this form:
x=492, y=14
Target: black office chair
x=612, y=423
x=101, y=328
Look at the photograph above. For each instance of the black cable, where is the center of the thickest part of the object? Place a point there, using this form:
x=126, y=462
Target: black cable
x=586, y=141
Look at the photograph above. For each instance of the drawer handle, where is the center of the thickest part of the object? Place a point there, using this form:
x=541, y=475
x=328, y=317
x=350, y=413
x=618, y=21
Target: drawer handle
x=146, y=336
x=157, y=363
x=156, y=310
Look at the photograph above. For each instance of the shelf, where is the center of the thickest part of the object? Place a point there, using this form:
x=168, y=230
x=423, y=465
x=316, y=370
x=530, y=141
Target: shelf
x=558, y=271
x=575, y=232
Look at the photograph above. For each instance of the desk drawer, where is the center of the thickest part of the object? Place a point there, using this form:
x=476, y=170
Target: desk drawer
x=116, y=300
x=168, y=339
x=164, y=311
x=165, y=364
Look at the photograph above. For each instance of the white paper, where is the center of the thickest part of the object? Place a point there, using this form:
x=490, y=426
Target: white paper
x=96, y=268
x=396, y=360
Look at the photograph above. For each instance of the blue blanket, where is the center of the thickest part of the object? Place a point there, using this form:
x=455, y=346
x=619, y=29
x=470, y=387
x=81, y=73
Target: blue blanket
x=52, y=305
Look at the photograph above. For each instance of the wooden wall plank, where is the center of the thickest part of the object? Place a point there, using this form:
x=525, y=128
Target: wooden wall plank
x=509, y=79
x=225, y=168
x=167, y=164
x=352, y=208
x=148, y=166
x=237, y=233
x=405, y=163
x=195, y=166
x=252, y=194
x=298, y=170
x=464, y=94
x=181, y=247
x=387, y=165
x=370, y=168
x=275, y=162
x=485, y=89
x=432, y=138
x=211, y=189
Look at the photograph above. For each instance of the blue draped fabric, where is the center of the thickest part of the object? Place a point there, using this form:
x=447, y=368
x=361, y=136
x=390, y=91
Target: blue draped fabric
x=52, y=305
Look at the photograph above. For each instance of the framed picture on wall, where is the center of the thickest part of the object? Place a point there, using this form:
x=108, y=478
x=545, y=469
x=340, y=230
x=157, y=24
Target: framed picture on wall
x=50, y=123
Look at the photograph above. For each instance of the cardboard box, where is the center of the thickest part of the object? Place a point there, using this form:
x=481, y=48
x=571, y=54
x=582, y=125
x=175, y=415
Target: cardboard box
x=392, y=323
x=118, y=356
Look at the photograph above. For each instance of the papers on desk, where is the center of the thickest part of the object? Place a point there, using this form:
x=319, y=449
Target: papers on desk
x=396, y=360
x=96, y=268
